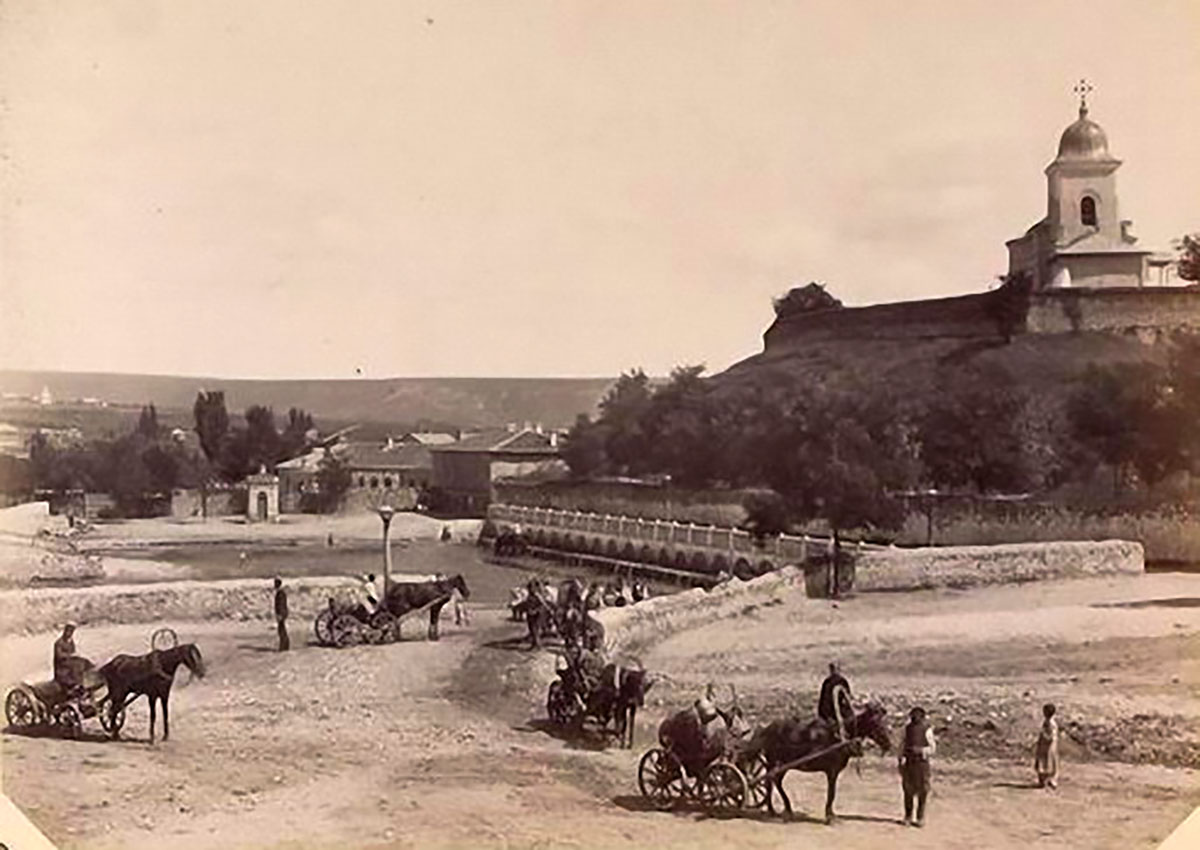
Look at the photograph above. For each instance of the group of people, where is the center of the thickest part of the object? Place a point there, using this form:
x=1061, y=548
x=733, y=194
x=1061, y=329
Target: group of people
x=834, y=707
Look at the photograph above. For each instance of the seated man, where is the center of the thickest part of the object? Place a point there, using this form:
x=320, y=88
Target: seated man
x=72, y=672
x=833, y=705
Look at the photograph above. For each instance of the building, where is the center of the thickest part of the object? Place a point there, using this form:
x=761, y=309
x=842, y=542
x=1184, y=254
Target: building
x=1083, y=242
x=400, y=472
x=464, y=473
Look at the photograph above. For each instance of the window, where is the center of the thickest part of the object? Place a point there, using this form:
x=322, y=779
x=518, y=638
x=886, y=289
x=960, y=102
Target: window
x=1087, y=211
x=374, y=482
x=362, y=481
x=387, y=482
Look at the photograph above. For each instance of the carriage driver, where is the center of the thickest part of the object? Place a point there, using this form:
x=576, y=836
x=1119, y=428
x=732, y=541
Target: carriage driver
x=586, y=668
x=70, y=669
x=834, y=704
x=370, y=591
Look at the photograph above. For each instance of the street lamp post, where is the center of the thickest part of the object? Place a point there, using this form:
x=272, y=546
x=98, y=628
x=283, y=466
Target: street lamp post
x=385, y=513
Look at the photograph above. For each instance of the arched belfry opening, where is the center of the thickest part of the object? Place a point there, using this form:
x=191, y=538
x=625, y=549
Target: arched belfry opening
x=1087, y=211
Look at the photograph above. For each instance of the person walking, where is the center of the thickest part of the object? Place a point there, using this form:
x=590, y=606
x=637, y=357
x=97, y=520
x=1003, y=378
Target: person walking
x=915, y=772
x=1045, y=758
x=281, y=615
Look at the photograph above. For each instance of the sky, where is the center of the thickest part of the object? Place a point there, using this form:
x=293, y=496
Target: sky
x=555, y=188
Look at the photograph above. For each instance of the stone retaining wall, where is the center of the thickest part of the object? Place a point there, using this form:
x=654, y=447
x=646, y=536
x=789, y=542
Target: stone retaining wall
x=46, y=609
x=629, y=628
x=970, y=566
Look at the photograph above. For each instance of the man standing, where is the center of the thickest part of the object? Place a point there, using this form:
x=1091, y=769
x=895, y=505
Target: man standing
x=915, y=772
x=281, y=614
x=834, y=704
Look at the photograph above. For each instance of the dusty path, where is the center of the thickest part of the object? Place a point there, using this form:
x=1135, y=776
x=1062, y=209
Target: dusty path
x=436, y=744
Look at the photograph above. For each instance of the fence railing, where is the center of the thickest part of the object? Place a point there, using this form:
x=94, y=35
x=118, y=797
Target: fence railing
x=734, y=541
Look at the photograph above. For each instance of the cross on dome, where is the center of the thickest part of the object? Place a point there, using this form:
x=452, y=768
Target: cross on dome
x=1083, y=88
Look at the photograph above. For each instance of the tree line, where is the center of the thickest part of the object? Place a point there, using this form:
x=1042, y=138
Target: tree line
x=844, y=452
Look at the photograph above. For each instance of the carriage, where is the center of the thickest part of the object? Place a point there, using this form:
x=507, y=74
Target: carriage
x=48, y=705
x=714, y=771
x=343, y=623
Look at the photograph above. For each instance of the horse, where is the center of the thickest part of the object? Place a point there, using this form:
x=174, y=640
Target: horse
x=150, y=675
x=790, y=739
x=409, y=596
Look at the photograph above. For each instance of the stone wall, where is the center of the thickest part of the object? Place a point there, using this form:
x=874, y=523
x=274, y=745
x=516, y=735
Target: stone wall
x=1147, y=311
x=970, y=566
x=629, y=629
x=960, y=317
x=703, y=507
x=42, y=610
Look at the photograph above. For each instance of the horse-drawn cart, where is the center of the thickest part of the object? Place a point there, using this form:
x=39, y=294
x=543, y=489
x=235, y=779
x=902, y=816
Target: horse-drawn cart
x=343, y=623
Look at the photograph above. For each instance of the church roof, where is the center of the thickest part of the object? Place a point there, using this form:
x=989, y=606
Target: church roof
x=1083, y=141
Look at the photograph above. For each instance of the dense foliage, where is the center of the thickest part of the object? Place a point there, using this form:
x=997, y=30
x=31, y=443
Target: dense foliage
x=842, y=456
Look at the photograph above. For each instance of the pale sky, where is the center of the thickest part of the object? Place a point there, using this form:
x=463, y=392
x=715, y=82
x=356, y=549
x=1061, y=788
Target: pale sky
x=514, y=188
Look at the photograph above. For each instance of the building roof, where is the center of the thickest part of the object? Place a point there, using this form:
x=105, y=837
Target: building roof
x=376, y=456
x=501, y=441
x=427, y=438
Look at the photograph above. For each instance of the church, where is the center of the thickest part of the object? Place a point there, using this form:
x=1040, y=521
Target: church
x=1083, y=242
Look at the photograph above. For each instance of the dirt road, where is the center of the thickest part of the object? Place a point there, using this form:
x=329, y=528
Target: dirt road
x=438, y=744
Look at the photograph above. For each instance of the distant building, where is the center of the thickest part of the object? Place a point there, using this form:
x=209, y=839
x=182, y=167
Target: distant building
x=399, y=471
x=44, y=398
x=464, y=473
x=13, y=441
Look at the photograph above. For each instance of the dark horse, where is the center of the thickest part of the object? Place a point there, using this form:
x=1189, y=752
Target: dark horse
x=409, y=596
x=791, y=739
x=151, y=675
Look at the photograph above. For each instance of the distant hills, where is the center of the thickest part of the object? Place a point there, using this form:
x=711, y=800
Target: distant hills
x=465, y=402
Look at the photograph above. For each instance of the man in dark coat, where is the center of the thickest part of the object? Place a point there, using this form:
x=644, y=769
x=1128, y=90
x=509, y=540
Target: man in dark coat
x=834, y=704
x=281, y=614
x=915, y=771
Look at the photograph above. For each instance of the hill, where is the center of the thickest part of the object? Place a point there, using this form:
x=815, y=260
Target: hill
x=465, y=402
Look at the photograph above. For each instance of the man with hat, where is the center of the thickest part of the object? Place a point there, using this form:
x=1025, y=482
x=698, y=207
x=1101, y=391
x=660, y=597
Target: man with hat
x=281, y=615
x=919, y=745
x=833, y=705
x=71, y=669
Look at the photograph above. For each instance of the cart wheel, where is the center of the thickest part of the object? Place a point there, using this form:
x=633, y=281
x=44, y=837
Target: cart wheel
x=723, y=787
x=114, y=725
x=383, y=627
x=164, y=638
x=660, y=778
x=67, y=718
x=755, y=771
x=347, y=631
x=323, y=626
x=20, y=709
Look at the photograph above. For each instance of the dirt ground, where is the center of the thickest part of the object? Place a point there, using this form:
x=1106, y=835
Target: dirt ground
x=442, y=744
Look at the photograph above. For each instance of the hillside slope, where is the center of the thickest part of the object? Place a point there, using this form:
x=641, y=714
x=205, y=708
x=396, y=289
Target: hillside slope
x=1046, y=365
x=467, y=402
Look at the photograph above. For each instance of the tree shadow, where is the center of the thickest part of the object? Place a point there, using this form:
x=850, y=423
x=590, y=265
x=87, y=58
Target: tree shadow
x=255, y=647
x=510, y=644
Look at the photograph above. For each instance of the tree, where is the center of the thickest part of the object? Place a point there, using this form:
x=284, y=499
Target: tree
x=1126, y=416
x=262, y=438
x=333, y=480
x=621, y=411
x=838, y=457
x=212, y=422
x=677, y=428
x=294, y=439
x=148, y=422
x=1189, y=257
x=969, y=433
x=583, y=449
